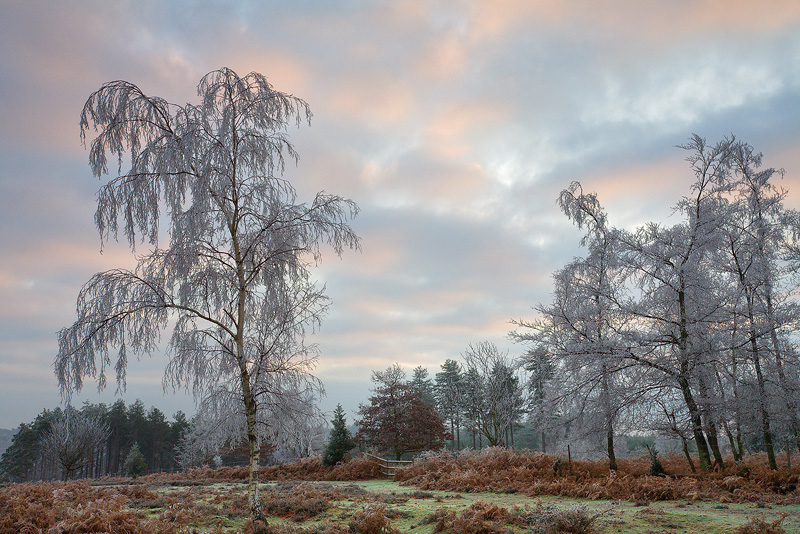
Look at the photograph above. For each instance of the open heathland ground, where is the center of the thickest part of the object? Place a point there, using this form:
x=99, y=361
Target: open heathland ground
x=301, y=498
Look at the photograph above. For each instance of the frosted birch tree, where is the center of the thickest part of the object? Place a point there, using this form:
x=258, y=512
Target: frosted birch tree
x=759, y=234
x=677, y=299
x=233, y=281
x=580, y=328
x=73, y=439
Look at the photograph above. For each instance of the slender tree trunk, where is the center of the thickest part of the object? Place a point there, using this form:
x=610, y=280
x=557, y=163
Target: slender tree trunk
x=612, y=458
x=737, y=454
x=697, y=424
x=606, y=394
x=736, y=451
x=686, y=453
x=738, y=423
x=791, y=407
x=254, y=444
x=765, y=423
x=251, y=413
x=250, y=405
x=713, y=442
x=710, y=425
x=683, y=382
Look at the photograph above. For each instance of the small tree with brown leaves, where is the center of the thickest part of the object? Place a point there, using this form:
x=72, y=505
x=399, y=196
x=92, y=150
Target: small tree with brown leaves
x=398, y=419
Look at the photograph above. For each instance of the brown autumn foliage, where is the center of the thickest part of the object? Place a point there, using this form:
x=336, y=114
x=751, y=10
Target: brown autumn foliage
x=535, y=473
x=77, y=507
x=361, y=467
x=372, y=519
x=65, y=508
x=759, y=525
x=479, y=518
x=398, y=419
x=190, y=502
x=489, y=518
x=301, y=501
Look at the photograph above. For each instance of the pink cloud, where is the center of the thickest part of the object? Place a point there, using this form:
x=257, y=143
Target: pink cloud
x=660, y=21
x=453, y=131
x=787, y=157
x=445, y=59
x=633, y=194
x=376, y=100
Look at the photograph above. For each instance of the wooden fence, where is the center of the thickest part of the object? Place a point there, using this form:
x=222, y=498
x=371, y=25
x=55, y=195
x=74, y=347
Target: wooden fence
x=388, y=466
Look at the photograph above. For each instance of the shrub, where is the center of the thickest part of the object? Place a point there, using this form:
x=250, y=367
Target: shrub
x=371, y=519
x=297, y=503
x=656, y=469
x=66, y=508
x=571, y=520
x=479, y=518
x=759, y=525
x=134, y=462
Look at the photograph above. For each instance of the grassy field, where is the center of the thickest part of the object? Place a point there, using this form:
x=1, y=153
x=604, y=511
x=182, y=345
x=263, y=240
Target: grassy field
x=373, y=506
x=480, y=492
x=612, y=516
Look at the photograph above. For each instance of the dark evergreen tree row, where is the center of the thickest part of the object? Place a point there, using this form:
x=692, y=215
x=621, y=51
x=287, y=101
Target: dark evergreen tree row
x=156, y=436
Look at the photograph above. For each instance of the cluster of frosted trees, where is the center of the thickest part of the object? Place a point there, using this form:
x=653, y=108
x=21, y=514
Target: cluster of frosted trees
x=684, y=329
x=481, y=399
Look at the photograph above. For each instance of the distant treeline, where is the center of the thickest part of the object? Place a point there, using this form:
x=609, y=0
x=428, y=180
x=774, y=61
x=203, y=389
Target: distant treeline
x=157, y=437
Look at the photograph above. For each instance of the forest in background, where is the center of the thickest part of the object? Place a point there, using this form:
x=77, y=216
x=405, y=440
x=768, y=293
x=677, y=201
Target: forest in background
x=156, y=436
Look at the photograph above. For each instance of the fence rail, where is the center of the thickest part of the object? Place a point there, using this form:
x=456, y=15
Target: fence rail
x=388, y=466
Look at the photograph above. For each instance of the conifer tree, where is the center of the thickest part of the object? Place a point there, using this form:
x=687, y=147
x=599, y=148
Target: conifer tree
x=340, y=440
x=134, y=462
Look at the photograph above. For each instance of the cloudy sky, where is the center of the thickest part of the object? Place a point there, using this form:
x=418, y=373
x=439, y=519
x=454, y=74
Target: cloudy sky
x=453, y=124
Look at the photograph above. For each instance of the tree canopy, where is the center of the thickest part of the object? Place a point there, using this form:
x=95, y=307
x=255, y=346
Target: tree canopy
x=398, y=418
x=685, y=329
x=233, y=281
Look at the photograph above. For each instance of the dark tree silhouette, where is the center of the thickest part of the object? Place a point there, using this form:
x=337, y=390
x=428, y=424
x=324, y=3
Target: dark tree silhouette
x=340, y=440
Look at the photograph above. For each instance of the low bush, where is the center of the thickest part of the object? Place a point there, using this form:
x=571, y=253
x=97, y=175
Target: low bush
x=535, y=473
x=298, y=503
x=759, y=525
x=479, y=518
x=67, y=508
x=571, y=520
x=372, y=519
